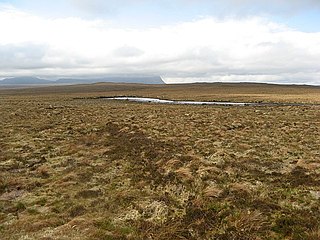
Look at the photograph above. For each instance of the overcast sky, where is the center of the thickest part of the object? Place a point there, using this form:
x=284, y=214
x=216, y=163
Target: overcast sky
x=183, y=41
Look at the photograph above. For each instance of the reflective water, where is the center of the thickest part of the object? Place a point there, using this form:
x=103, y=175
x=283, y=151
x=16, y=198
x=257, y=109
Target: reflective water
x=156, y=100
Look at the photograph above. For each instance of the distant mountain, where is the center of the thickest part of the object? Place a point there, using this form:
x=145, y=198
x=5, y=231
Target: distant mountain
x=24, y=81
x=115, y=79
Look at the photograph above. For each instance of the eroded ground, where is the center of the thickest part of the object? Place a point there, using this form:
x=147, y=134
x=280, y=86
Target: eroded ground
x=100, y=169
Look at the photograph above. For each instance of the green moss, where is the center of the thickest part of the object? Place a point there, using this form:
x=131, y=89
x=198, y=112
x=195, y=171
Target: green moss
x=107, y=225
x=33, y=211
x=291, y=226
x=42, y=201
x=20, y=206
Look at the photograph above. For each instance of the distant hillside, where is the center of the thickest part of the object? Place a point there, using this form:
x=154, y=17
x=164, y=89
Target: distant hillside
x=115, y=79
x=24, y=81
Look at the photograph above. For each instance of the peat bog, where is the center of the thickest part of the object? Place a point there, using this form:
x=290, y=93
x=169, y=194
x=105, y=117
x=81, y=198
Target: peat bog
x=76, y=166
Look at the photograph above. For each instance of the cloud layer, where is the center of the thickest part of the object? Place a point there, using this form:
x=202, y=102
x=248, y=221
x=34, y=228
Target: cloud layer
x=251, y=49
x=226, y=6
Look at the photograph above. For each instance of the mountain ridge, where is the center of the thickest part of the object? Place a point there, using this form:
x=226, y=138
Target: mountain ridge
x=30, y=80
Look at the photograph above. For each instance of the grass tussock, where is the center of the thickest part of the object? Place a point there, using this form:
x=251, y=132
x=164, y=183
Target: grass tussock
x=96, y=169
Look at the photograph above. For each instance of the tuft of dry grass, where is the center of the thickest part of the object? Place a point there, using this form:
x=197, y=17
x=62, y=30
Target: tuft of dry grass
x=184, y=173
x=212, y=191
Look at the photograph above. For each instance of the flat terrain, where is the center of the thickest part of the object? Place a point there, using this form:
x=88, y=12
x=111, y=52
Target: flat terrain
x=207, y=92
x=76, y=166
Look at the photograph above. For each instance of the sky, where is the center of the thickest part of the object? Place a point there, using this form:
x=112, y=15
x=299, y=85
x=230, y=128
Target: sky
x=272, y=41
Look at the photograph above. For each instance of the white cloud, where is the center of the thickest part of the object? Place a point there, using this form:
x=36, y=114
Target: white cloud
x=251, y=49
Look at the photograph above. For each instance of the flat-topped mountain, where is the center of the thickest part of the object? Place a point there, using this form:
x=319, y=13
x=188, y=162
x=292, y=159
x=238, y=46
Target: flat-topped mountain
x=25, y=81
x=115, y=79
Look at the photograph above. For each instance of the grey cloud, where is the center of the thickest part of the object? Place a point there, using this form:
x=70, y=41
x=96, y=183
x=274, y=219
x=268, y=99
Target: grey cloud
x=278, y=3
x=128, y=51
x=262, y=4
x=29, y=56
x=98, y=7
x=22, y=55
x=218, y=7
x=282, y=63
x=282, y=7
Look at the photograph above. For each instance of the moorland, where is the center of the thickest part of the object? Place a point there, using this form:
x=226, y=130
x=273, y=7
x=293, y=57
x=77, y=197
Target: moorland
x=74, y=165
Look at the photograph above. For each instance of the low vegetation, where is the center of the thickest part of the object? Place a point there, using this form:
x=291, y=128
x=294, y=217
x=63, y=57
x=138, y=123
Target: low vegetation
x=72, y=167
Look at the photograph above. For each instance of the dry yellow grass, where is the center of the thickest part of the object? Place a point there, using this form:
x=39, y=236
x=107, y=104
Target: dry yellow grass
x=72, y=167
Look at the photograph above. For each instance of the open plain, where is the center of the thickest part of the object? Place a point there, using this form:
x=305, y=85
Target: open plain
x=74, y=165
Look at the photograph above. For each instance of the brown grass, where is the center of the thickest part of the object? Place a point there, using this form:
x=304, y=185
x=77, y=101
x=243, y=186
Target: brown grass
x=72, y=167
